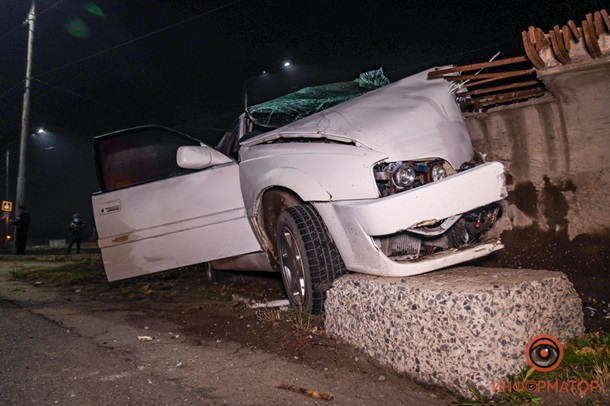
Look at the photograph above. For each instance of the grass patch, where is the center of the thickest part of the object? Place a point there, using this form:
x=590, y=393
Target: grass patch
x=81, y=271
x=505, y=398
x=585, y=358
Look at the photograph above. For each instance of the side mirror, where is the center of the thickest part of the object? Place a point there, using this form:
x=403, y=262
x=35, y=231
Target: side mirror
x=200, y=157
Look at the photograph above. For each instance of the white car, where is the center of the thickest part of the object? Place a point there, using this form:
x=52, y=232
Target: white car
x=385, y=184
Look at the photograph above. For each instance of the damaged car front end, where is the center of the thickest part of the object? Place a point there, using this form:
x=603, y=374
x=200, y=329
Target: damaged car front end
x=424, y=199
x=362, y=176
x=427, y=228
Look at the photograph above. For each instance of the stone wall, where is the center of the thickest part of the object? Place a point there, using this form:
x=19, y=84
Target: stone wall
x=556, y=150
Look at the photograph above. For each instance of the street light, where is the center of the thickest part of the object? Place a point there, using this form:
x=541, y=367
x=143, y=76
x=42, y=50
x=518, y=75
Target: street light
x=41, y=132
x=45, y=139
x=253, y=78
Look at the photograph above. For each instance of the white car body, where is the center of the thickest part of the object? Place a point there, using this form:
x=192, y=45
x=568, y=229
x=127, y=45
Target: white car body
x=222, y=211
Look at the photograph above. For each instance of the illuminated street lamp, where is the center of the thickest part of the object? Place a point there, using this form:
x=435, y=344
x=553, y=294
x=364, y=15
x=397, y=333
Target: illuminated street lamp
x=41, y=132
x=253, y=78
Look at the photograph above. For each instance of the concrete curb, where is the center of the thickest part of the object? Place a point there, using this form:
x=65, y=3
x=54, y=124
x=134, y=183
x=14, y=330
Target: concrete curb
x=455, y=328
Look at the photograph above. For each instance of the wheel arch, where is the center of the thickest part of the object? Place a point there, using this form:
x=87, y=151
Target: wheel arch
x=290, y=179
x=267, y=196
x=269, y=205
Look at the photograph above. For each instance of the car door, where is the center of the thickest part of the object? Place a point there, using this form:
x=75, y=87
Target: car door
x=152, y=215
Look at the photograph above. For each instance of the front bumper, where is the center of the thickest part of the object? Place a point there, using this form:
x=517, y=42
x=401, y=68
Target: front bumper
x=354, y=223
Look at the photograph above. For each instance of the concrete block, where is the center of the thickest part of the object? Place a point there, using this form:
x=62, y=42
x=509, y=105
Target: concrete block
x=455, y=328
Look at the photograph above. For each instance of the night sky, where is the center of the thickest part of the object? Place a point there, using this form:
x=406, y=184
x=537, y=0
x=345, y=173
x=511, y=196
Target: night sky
x=105, y=65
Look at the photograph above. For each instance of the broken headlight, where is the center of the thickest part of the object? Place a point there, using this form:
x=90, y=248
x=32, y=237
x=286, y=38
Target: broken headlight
x=394, y=177
x=438, y=172
x=403, y=176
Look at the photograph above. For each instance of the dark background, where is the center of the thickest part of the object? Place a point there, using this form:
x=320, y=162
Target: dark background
x=183, y=64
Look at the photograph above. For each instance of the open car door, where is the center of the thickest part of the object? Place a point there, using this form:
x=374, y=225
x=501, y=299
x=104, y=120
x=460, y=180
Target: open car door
x=152, y=215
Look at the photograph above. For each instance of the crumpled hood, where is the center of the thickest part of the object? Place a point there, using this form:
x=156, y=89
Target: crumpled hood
x=413, y=118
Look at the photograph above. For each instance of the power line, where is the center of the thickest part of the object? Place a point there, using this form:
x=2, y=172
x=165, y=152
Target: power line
x=117, y=46
x=50, y=7
x=16, y=28
x=23, y=23
x=140, y=38
x=11, y=31
x=70, y=92
x=11, y=89
x=80, y=96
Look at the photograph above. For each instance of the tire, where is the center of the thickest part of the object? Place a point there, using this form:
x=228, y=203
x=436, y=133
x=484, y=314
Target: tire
x=308, y=258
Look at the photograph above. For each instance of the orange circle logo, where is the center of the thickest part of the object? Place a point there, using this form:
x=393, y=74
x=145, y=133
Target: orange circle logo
x=544, y=352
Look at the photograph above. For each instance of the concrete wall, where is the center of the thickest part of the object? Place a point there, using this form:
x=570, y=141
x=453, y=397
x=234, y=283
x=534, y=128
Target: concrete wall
x=557, y=155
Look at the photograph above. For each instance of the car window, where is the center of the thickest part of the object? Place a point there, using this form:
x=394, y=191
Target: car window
x=228, y=145
x=140, y=156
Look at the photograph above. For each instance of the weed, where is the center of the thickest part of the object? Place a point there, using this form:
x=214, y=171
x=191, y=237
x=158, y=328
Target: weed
x=504, y=398
x=305, y=324
x=478, y=399
x=589, y=402
x=602, y=376
x=583, y=357
x=301, y=322
x=269, y=315
x=519, y=398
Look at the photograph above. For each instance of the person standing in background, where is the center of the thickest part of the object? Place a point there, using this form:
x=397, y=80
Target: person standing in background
x=76, y=227
x=22, y=225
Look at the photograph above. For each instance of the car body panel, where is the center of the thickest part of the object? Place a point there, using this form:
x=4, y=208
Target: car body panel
x=172, y=223
x=353, y=224
x=314, y=171
x=413, y=118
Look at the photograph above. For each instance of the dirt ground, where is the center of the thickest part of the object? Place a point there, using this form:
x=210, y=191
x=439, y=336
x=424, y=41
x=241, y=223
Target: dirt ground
x=218, y=312
x=215, y=315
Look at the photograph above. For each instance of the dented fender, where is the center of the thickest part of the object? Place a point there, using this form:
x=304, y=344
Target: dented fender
x=314, y=171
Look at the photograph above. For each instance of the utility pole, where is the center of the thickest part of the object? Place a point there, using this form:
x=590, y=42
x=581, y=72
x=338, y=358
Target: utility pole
x=5, y=217
x=25, y=119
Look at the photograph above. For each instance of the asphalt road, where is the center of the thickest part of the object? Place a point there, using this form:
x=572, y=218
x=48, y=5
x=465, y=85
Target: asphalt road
x=59, y=349
x=44, y=363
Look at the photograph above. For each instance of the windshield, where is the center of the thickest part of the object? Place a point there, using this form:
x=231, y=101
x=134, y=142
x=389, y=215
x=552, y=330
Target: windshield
x=307, y=101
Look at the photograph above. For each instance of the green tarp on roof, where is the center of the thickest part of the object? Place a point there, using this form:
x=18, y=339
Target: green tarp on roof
x=307, y=101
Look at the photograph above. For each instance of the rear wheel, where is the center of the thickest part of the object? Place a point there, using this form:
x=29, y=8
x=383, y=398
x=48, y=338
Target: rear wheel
x=308, y=258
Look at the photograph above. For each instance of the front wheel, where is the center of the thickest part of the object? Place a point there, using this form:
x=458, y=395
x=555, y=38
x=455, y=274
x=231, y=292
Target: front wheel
x=308, y=258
